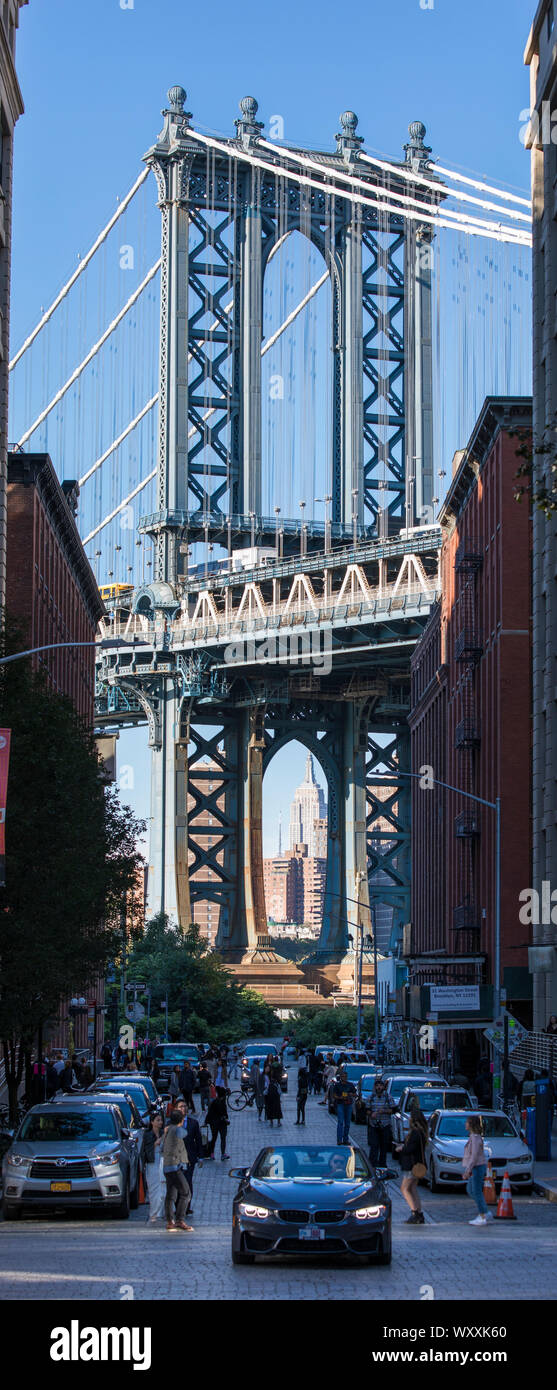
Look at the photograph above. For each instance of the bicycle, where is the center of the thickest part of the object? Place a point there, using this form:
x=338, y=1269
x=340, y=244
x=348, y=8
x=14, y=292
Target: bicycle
x=238, y=1100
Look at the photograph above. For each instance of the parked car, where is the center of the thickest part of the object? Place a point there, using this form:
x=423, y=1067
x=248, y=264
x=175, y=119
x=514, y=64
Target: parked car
x=259, y=1050
x=503, y=1143
x=132, y=1120
x=430, y=1098
x=146, y=1081
x=170, y=1055
x=70, y=1155
x=397, y=1084
x=127, y=1085
x=354, y=1071
x=260, y=1057
x=308, y=1200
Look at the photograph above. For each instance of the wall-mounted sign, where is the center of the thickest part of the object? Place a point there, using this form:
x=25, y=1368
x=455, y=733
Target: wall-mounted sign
x=454, y=998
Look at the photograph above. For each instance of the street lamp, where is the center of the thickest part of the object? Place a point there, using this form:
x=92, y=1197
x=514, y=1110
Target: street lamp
x=327, y=500
x=302, y=532
x=106, y=643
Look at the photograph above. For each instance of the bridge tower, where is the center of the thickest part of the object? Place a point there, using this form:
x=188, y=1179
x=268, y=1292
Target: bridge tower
x=216, y=722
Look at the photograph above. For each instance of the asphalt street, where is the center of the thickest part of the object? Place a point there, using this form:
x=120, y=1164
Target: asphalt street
x=93, y=1258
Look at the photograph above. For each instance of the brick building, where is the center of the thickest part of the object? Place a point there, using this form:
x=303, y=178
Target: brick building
x=470, y=724
x=52, y=592
x=51, y=589
x=11, y=108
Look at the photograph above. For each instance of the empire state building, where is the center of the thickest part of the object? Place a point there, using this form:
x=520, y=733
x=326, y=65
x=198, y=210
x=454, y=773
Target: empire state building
x=307, y=810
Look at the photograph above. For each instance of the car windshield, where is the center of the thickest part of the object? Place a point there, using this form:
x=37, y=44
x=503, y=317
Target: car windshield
x=437, y=1100
x=493, y=1126
x=260, y=1052
x=355, y=1070
x=67, y=1126
x=398, y=1084
x=137, y=1094
x=179, y=1053
x=367, y=1080
x=321, y=1162
x=128, y=1115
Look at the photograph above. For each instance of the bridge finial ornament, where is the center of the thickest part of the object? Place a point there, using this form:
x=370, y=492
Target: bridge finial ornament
x=247, y=127
x=417, y=153
x=348, y=143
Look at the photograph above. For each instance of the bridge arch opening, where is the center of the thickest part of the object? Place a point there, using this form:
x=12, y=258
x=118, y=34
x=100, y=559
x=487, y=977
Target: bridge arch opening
x=296, y=381
x=295, y=842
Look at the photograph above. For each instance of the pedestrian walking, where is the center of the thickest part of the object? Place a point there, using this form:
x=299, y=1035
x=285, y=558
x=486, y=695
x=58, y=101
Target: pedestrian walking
x=412, y=1161
x=194, y=1146
x=379, y=1128
x=273, y=1108
x=344, y=1092
x=221, y=1074
x=218, y=1121
x=174, y=1087
x=474, y=1165
x=260, y=1086
x=152, y=1150
x=106, y=1055
x=175, y=1162
x=205, y=1083
x=187, y=1084
x=234, y=1060
x=301, y=1097
x=254, y=1073
x=329, y=1073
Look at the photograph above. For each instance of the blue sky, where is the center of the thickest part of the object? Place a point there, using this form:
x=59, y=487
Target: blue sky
x=94, y=75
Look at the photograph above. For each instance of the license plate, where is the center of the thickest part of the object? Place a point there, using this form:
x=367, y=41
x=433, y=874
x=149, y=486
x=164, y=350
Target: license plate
x=60, y=1187
x=312, y=1233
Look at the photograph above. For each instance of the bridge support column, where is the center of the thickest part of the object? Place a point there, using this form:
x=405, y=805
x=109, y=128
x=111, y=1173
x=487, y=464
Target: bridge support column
x=248, y=928
x=251, y=280
x=419, y=379
x=168, y=889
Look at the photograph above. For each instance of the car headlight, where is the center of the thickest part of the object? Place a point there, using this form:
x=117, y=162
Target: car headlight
x=523, y=1158
x=448, y=1158
x=108, y=1160
x=248, y=1210
x=369, y=1213
x=18, y=1160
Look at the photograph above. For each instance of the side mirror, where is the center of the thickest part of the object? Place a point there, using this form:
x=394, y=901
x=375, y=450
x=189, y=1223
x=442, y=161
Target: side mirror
x=238, y=1172
x=125, y=1133
x=385, y=1173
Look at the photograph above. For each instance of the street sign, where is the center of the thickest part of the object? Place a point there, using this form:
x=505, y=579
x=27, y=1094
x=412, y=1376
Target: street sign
x=135, y=1012
x=495, y=1034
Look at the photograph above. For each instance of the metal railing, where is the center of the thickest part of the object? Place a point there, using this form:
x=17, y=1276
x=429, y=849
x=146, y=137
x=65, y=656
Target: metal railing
x=537, y=1051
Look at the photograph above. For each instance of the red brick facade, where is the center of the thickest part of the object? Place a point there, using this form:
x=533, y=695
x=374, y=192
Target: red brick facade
x=470, y=722
x=51, y=589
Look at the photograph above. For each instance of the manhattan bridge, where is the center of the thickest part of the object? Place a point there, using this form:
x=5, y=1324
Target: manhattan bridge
x=234, y=624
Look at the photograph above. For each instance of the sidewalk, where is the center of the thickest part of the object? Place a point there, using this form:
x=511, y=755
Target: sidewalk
x=545, y=1174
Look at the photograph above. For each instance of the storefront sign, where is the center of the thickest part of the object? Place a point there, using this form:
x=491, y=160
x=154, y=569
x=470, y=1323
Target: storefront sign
x=454, y=998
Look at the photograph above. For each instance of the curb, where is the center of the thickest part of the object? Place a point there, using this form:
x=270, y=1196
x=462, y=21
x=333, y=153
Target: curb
x=545, y=1190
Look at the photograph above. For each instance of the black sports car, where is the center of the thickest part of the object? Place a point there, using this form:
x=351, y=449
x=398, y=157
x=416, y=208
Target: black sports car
x=315, y=1199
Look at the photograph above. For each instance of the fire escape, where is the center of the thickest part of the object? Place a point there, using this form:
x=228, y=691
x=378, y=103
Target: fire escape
x=467, y=916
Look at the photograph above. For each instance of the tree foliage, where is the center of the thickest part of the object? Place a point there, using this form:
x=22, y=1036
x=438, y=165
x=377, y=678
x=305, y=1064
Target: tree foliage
x=177, y=963
x=311, y=1026
x=71, y=857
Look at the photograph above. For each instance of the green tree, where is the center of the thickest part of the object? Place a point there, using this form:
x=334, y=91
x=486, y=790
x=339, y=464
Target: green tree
x=311, y=1026
x=71, y=858
x=174, y=962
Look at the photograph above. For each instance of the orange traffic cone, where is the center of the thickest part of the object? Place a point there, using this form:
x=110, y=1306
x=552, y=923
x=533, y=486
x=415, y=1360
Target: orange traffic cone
x=490, y=1195
x=141, y=1189
x=505, y=1204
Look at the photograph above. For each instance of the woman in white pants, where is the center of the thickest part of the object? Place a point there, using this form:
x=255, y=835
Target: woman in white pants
x=152, y=1148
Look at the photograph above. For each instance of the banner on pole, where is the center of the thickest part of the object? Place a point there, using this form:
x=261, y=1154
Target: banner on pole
x=5, y=736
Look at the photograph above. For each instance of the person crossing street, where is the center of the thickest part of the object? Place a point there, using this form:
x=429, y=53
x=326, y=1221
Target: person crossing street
x=344, y=1093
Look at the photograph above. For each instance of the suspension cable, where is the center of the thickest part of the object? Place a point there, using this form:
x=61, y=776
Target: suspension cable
x=404, y=198
x=81, y=267
x=499, y=232
x=90, y=355
x=121, y=437
x=120, y=506
x=485, y=187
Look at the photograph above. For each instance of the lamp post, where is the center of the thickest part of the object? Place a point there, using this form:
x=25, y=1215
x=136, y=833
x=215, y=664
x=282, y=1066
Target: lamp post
x=492, y=806
x=302, y=532
x=327, y=500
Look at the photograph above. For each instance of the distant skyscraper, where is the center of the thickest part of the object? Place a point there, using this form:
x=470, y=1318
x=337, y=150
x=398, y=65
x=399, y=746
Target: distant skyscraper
x=308, y=806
